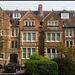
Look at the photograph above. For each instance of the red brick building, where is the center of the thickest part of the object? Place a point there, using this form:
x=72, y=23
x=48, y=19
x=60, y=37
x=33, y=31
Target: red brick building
x=26, y=32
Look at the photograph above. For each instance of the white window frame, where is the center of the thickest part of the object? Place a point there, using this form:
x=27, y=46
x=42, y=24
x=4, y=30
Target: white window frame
x=14, y=44
x=48, y=36
x=27, y=37
x=56, y=54
x=3, y=56
x=14, y=32
x=51, y=37
x=69, y=42
x=63, y=17
x=16, y=15
x=1, y=33
x=51, y=23
x=28, y=23
x=57, y=37
x=54, y=38
x=69, y=32
x=27, y=51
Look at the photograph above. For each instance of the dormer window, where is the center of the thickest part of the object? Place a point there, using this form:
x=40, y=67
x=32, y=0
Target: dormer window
x=64, y=15
x=29, y=23
x=16, y=15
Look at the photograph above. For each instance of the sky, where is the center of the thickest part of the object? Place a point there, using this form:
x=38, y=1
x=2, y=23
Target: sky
x=33, y=5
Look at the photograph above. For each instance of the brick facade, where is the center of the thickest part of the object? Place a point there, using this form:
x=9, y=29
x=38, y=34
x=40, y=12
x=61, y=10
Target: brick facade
x=40, y=28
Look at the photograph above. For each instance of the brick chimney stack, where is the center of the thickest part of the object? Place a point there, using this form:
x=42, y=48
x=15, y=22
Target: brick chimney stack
x=40, y=12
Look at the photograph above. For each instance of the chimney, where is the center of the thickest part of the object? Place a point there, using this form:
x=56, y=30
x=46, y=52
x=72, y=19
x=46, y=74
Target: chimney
x=40, y=12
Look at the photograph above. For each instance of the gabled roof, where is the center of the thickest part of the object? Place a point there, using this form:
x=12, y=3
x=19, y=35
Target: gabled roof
x=31, y=13
x=68, y=22
x=50, y=13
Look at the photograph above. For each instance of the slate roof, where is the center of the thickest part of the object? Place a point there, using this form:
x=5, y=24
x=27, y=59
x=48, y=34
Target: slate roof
x=67, y=22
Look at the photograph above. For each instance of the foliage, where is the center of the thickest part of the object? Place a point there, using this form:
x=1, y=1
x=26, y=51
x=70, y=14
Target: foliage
x=69, y=52
x=43, y=58
x=34, y=56
x=41, y=66
x=65, y=66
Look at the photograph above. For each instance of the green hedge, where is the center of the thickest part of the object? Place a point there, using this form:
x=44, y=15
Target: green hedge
x=34, y=56
x=41, y=66
x=43, y=58
x=65, y=66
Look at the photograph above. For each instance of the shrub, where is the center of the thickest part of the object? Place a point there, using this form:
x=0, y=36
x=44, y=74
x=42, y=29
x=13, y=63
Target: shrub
x=34, y=56
x=65, y=66
x=43, y=58
x=41, y=66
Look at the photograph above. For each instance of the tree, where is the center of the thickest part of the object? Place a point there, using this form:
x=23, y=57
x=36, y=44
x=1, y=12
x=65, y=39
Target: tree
x=69, y=52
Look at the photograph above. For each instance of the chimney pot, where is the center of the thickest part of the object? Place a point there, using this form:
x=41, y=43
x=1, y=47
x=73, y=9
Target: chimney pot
x=40, y=12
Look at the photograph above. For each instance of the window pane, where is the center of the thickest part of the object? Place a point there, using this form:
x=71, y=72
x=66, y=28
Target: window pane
x=67, y=43
x=58, y=54
x=53, y=53
x=12, y=32
x=48, y=23
x=33, y=50
x=15, y=44
x=33, y=36
x=14, y=14
x=29, y=36
x=24, y=36
x=53, y=36
x=70, y=32
x=28, y=52
x=71, y=43
x=32, y=23
x=1, y=55
x=58, y=36
x=48, y=52
x=65, y=15
x=66, y=32
x=16, y=32
x=48, y=36
x=24, y=52
x=55, y=23
x=25, y=23
x=52, y=23
x=12, y=44
x=29, y=23
x=2, y=32
x=17, y=14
